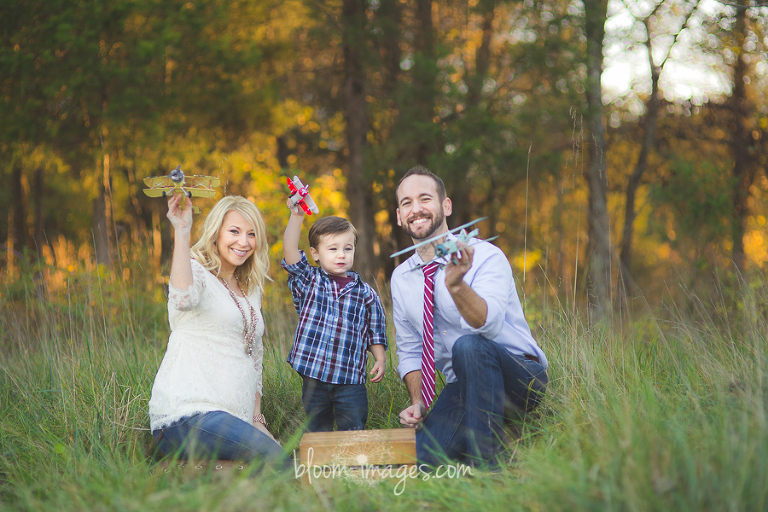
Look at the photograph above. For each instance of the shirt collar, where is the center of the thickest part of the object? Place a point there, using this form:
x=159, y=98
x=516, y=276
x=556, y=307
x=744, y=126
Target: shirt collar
x=415, y=260
x=351, y=273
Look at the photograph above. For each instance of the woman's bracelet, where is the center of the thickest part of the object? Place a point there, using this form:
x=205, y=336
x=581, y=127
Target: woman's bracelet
x=260, y=418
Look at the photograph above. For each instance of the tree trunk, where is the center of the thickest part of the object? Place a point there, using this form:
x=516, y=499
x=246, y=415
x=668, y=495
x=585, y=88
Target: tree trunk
x=19, y=214
x=157, y=240
x=424, y=78
x=389, y=17
x=415, y=113
x=38, y=192
x=462, y=206
x=599, y=277
x=100, y=234
x=743, y=167
x=109, y=234
x=358, y=190
x=649, y=124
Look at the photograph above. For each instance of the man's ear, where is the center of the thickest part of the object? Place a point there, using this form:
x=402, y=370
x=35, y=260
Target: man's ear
x=447, y=207
x=399, y=222
x=313, y=252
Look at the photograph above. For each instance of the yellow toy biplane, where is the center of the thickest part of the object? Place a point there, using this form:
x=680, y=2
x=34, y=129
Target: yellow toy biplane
x=177, y=181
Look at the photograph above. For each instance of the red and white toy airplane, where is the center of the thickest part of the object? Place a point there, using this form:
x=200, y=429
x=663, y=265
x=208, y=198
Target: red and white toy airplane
x=300, y=197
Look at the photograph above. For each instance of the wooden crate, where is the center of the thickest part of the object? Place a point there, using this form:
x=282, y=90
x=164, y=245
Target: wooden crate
x=366, y=454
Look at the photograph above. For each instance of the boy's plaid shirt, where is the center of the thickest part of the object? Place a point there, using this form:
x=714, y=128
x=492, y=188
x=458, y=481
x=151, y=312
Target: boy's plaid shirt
x=336, y=327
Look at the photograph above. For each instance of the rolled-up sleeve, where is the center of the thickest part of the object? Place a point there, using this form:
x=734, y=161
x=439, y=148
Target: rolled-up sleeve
x=376, y=321
x=492, y=281
x=299, y=279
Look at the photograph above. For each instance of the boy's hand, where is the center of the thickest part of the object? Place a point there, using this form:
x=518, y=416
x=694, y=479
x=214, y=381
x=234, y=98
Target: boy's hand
x=377, y=372
x=295, y=208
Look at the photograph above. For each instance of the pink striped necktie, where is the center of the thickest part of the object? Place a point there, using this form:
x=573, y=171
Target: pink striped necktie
x=428, y=348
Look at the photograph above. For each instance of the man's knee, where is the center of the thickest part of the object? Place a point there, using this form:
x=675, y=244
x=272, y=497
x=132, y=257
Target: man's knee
x=469, y=349
x=465, y=345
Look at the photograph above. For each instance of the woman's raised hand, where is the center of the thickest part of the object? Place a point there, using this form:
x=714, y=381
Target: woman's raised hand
x=181, y=220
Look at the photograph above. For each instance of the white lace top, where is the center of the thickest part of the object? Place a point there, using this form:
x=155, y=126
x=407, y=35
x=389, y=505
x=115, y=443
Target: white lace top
x=205, y=367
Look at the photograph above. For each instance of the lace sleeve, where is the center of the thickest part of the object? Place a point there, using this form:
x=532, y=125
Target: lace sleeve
x=187, y=299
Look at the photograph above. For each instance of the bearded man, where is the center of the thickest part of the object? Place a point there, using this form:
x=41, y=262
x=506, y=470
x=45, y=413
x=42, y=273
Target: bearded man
x=461, y=315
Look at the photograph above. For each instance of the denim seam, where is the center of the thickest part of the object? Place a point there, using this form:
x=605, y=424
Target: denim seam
x=219, y=436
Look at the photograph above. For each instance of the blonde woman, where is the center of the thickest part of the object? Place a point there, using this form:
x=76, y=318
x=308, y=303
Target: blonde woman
x=206, y=398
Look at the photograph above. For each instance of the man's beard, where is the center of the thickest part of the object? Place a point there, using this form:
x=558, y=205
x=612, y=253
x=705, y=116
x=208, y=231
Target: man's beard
x=436, y=223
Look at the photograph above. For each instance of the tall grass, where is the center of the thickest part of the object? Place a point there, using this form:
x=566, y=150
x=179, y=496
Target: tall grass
x=665, y=413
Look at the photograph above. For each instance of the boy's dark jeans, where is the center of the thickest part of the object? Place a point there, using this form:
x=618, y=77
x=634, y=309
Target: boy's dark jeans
x=324, y=403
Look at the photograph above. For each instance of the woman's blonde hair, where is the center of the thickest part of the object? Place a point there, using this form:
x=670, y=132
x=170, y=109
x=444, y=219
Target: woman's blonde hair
x=254, y=271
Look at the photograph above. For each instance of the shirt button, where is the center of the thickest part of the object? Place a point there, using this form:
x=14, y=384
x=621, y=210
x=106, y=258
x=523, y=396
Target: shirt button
x=445, y=332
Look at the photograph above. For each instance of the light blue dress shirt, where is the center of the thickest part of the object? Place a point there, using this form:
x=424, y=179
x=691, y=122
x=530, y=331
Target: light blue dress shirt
x=491, y=278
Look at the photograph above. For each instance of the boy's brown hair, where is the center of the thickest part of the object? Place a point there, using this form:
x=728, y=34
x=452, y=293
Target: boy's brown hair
x=330, y=225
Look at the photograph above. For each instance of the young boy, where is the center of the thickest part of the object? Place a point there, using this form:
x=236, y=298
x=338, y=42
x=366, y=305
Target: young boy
x=340, y=316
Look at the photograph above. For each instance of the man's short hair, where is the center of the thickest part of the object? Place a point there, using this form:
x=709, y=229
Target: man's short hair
x=330, y=225
x=420, y=170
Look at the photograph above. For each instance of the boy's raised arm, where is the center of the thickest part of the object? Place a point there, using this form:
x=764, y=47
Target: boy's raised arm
x=291, y=237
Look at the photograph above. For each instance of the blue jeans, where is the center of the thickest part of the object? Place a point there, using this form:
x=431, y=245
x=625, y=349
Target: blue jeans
x=467, y=420
x=324, y=402
x=218, y=435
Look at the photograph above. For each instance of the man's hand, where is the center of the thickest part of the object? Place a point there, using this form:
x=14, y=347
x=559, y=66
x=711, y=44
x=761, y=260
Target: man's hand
x=413, y=415
x=459, y=265
x=472, y=307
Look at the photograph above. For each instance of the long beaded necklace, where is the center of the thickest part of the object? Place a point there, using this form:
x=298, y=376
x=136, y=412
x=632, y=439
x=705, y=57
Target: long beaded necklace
x=249, y=328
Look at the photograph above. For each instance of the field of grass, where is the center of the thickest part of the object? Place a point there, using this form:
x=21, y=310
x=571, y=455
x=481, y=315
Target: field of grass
x=667, y=412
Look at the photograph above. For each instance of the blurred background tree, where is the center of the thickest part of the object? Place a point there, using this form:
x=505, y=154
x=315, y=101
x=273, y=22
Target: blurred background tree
x=505, y=99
